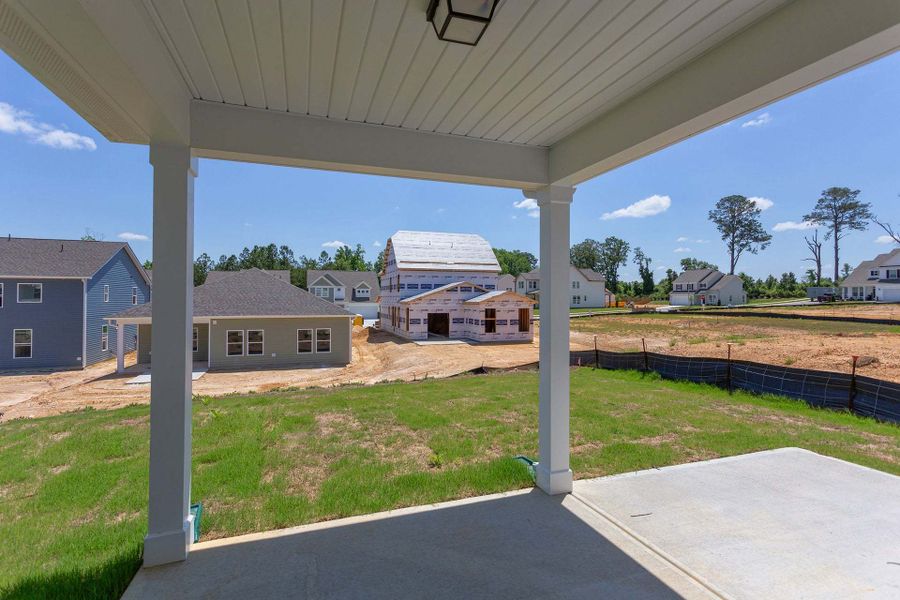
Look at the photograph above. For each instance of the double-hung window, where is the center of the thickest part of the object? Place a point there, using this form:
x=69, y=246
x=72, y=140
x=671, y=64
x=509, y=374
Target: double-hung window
x=490, y=320
x=304, y=341
x=134, y=295
x=22, y=343
x=195, y=340
x=106, y=293
x=323, y=340
x=255, y=344
x=234, y=342
x=104, y=338
x=30, y=293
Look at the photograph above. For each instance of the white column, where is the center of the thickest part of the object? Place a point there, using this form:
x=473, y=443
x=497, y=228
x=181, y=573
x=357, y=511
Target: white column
x=170, y=527
x=553, y=473
x=120, y=348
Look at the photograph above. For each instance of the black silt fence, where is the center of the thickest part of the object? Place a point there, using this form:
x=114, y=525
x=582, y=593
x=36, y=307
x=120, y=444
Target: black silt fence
x=864, y=396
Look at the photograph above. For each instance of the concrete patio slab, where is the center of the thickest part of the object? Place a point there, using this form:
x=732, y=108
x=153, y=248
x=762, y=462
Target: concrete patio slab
x=518, y=545
x=786, y=523
x=781, y=524
x=145, y=378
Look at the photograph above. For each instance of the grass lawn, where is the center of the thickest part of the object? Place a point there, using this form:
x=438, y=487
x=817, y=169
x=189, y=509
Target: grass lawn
x=74, y=487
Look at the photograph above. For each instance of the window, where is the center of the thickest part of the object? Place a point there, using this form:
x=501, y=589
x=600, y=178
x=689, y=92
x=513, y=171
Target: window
x=576, y=299
x=195, y=340
x=678, y=287
x=234, y=342
x=304, y=341
x=407, y=318
x=690, y=286
x=490, y=320
x=320, y=292
x=323, y=340
x=134, y=295
x=524, y=320
x=576, y=285
x=702, y=286
x=21, y=343
x=465, y=288
x=1, y=295
x=533, y=284
x=363, y=291
x=255, y=344
x=521, y=285
x=104, y=338
x=30, y=293
x=873, y=273
x=106, y=293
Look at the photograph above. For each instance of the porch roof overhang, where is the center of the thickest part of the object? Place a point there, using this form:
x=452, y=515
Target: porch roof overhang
x=555, y=93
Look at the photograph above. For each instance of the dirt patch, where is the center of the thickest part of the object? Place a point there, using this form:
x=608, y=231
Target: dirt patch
x=59, y=469
x=657, y=440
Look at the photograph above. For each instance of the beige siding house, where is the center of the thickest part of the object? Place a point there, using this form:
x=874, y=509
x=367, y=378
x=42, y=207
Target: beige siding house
x=587, y=288
x=707, y=287
x=252, y=319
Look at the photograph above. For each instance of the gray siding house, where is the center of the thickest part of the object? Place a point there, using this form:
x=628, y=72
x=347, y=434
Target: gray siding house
x=55, y=295
x=354, y=290
x=252, y=319
x=707, y=287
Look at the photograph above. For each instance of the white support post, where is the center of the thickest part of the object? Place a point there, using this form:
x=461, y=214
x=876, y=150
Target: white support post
x=553, y=473
x=120, y=348
x=170, y=524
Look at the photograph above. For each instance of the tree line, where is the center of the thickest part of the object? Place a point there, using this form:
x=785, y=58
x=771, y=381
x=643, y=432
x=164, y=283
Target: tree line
x=737, y=218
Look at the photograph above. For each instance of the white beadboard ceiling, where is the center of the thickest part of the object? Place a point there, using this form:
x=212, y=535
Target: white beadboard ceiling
x=542, y=69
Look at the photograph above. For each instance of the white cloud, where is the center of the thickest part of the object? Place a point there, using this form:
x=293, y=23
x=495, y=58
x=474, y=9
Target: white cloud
x=681, y=250
x=682, y=239
x=642, y=208
x=530, y=205
x=761, y=203
x=758, y=121
x=702, y=241
x=15, y=122
x=377, y=244
x=885, y=239
x=440, y=210
x=793, y=225
x=334, y=244
x=133, y=237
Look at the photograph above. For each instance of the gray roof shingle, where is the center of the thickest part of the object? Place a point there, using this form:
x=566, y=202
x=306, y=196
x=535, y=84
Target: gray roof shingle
x=694, y=276
x=76, y=259
x=283, y=274
x=250, y=293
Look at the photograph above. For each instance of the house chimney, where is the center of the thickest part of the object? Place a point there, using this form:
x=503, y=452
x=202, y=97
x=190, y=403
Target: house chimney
x=60, y=247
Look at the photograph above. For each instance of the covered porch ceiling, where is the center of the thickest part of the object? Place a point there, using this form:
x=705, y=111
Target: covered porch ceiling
x=556, y=92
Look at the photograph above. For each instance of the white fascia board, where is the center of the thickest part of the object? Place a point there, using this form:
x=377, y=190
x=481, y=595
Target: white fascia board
x=263, y=136
x=106, y=61
x=798, y=46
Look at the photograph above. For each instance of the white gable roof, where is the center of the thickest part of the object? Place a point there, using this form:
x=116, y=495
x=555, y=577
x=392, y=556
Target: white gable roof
x=429, y=250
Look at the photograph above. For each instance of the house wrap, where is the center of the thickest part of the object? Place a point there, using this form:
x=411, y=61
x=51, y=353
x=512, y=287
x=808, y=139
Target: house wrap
x=446, y=285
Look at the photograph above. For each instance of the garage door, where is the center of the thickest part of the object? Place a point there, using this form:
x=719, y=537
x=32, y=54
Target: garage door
x=890, y=294
x=369, y=310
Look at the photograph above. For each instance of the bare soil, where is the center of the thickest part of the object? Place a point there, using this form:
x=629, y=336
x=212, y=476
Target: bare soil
x=837, y=309
x=377, y=357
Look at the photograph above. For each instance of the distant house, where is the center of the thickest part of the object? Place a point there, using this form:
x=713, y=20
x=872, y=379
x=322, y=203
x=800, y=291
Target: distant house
x=876, y=279
x=507, y=283
x=707, y=287
x=445, y=285
x=54, y=296
x=355, y=291
x=587, y=288
x=255, y=319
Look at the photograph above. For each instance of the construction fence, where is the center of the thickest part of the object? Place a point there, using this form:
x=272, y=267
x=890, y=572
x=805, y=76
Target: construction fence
x=862, y=395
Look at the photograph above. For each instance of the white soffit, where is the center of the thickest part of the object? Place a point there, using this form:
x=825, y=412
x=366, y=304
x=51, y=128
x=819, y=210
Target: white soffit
x=540, y=69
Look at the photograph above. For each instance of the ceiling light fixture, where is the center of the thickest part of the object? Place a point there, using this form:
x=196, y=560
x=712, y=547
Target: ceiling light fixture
x=460, y=21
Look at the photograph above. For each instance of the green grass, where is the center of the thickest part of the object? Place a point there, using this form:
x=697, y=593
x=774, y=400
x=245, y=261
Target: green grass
x=73, y=488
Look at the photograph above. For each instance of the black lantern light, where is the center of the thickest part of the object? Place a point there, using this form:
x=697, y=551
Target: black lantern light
x=460, y=21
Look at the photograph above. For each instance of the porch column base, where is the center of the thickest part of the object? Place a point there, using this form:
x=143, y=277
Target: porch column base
x=553, y=483
x=169, y=546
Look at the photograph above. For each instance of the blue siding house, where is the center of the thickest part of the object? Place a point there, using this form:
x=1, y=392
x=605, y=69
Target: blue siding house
x=55, y=295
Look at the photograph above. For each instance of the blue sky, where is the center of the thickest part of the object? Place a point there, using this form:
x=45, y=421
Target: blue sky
x=61, y=178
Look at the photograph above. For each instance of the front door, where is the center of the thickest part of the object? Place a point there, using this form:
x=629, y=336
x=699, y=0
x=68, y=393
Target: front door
x=439, y=324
